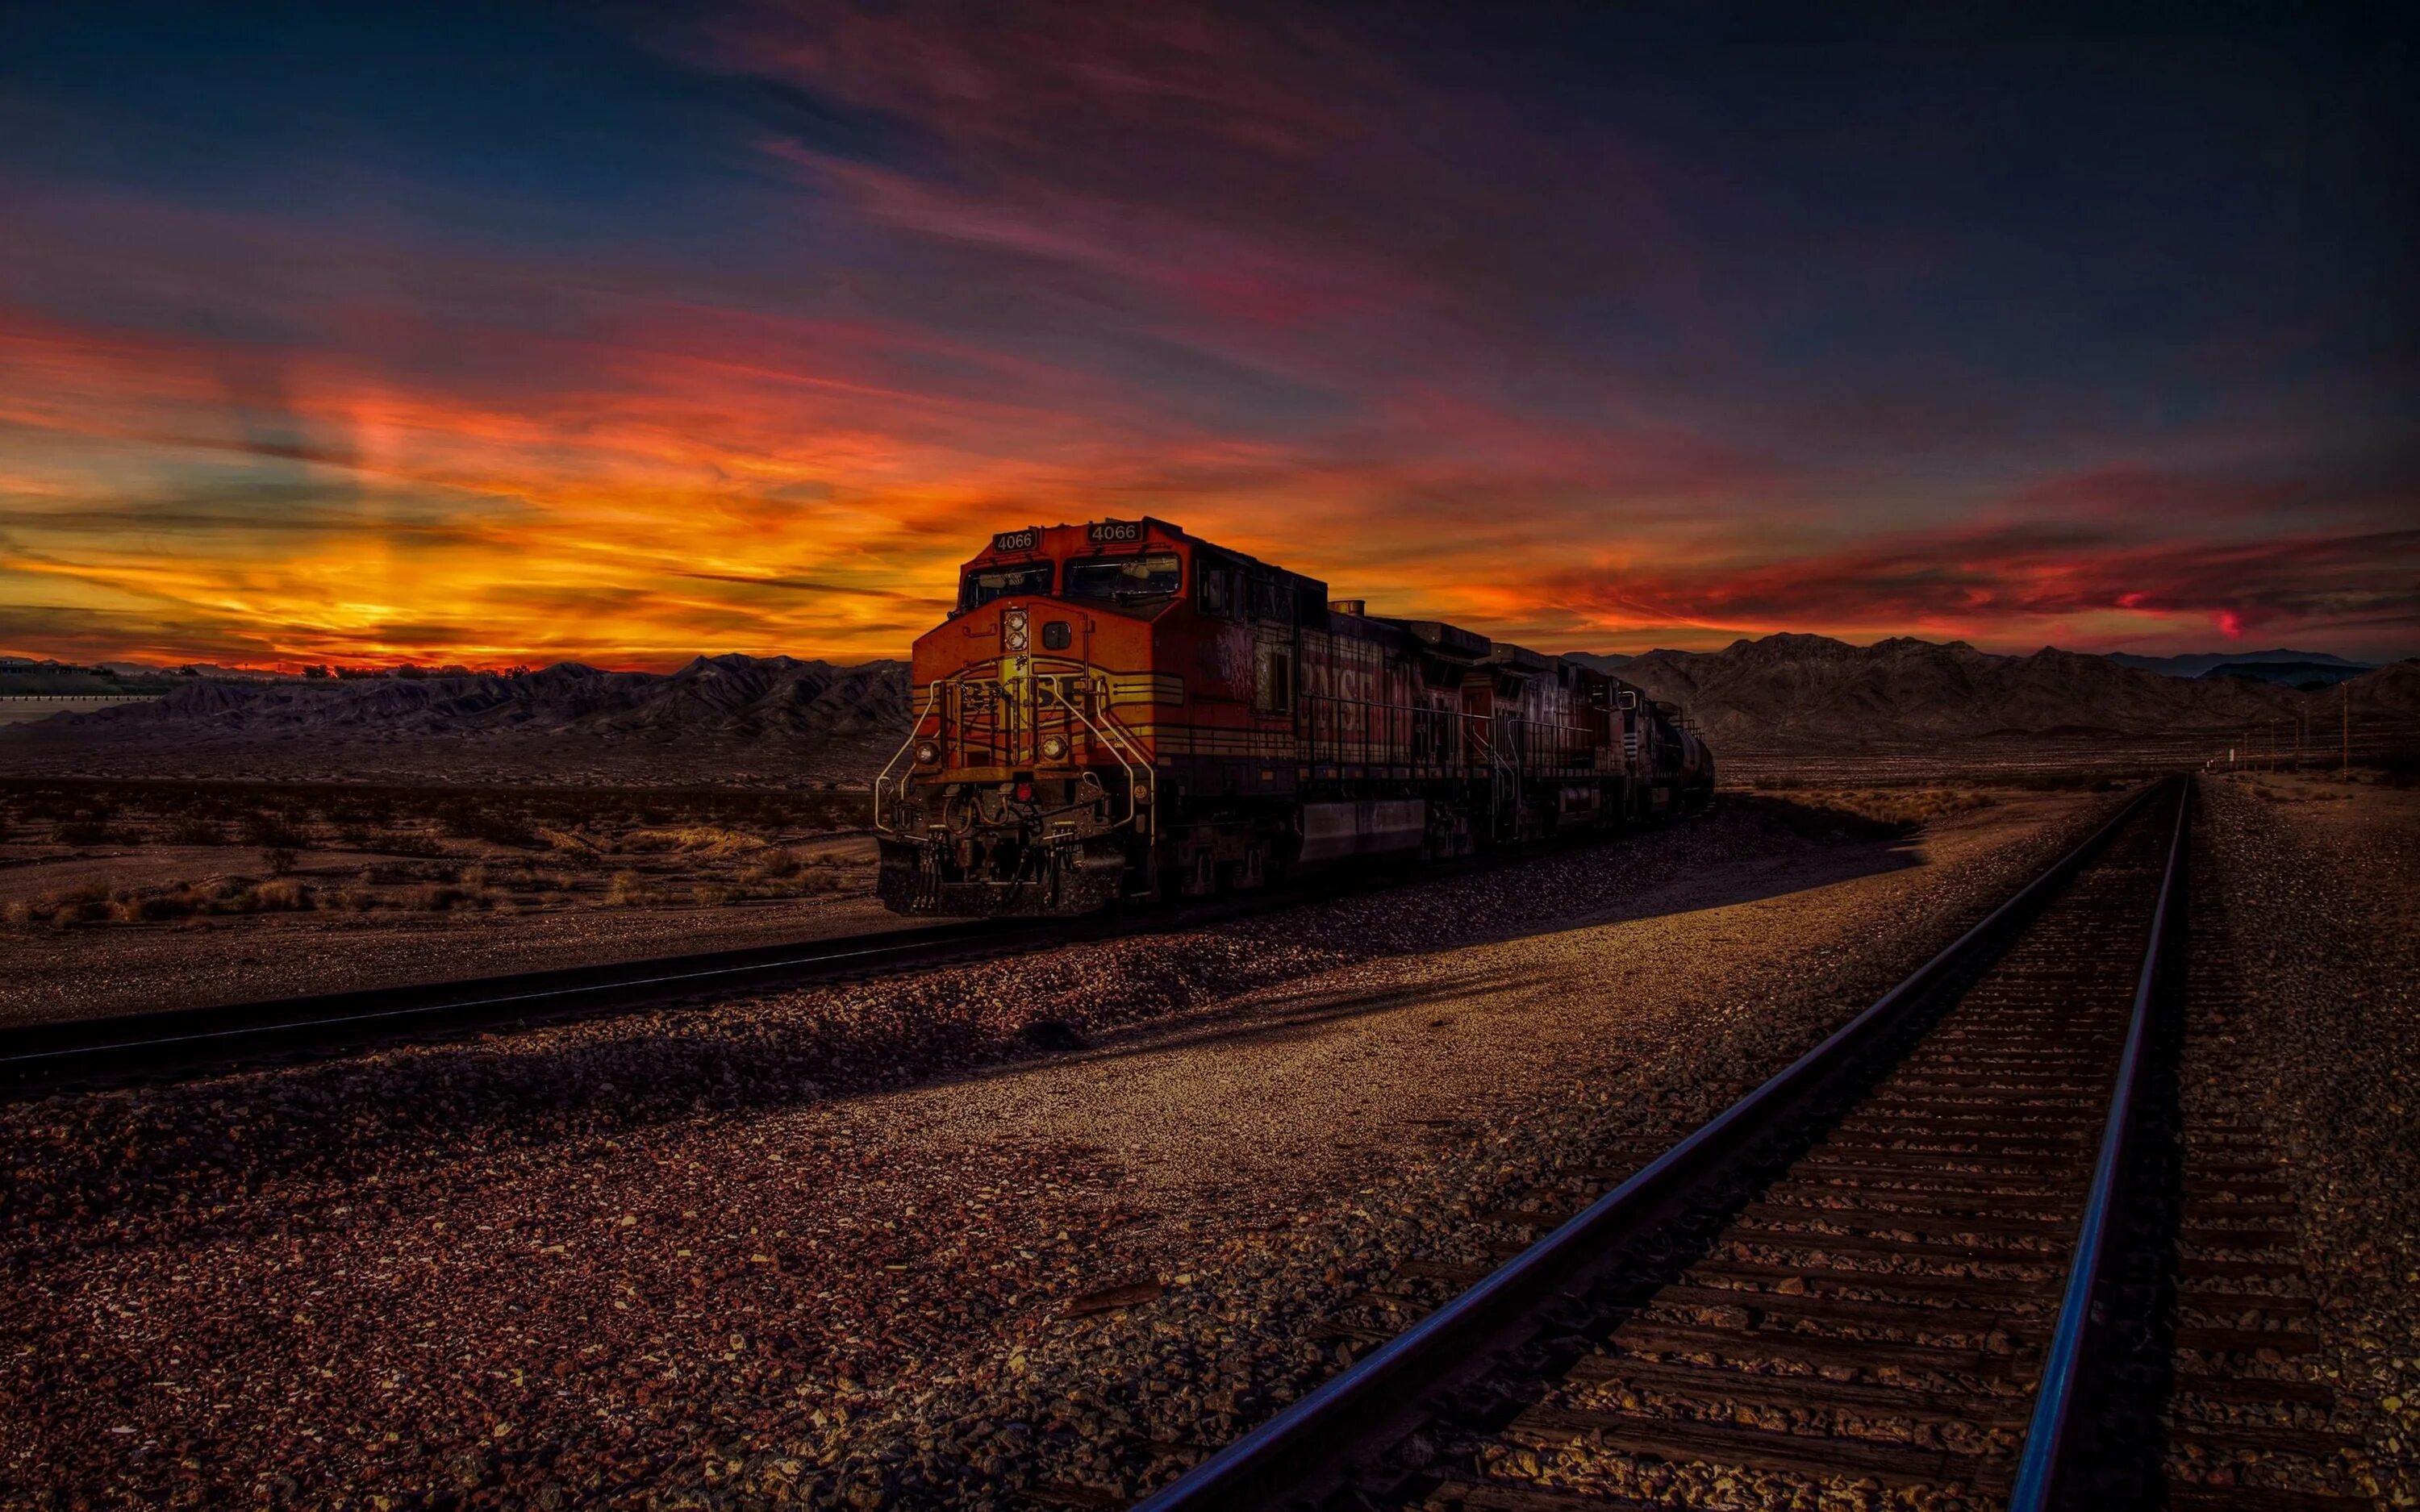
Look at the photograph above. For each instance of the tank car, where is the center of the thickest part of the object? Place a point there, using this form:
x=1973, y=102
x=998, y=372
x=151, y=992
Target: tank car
x=1120, y=711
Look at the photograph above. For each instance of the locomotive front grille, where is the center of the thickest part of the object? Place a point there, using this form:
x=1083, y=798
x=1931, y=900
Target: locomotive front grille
x=1032, y=712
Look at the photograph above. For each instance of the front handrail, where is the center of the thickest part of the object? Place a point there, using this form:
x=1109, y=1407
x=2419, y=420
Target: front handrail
x=931, y=697
x=2045, y=1467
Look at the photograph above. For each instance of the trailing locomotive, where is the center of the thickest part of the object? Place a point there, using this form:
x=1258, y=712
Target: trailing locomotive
x=1120, y=710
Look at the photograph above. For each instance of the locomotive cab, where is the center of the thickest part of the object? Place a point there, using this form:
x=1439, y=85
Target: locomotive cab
x=1019, y=790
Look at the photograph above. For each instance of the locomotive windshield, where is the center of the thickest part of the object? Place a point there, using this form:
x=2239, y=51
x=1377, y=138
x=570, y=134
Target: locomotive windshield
x=983, y=584
x=1126, y=579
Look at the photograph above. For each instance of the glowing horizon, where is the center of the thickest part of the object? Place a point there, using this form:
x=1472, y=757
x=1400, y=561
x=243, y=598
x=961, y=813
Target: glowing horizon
x=545, y=341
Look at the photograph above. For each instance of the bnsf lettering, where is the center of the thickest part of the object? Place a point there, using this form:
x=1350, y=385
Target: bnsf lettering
x=1114, y=531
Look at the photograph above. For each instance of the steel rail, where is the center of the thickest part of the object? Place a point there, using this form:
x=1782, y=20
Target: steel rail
x=2049, y=1461
x=1293, y=1455
x=44, y=1053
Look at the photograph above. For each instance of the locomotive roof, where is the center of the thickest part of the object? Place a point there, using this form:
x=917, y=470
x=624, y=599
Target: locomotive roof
x=1448, y=641
x=1451, y=643
x=1151, y=527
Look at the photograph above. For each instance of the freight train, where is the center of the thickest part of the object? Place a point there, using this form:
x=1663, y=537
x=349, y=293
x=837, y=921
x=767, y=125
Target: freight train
x=1123, y=711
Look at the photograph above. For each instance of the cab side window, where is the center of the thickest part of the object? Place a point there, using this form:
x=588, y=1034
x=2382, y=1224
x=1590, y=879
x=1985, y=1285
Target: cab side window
x=1218, y=587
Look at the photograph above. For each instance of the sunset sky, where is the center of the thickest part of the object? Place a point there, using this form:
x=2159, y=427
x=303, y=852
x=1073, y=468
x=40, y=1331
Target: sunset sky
x=501, y=335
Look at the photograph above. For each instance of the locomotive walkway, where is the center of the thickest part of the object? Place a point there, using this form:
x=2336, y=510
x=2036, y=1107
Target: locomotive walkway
x=1919, y=1257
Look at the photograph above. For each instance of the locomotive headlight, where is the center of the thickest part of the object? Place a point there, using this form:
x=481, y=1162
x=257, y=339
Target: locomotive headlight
x=1013, y=630
x=1054, y=747
x=927, y=753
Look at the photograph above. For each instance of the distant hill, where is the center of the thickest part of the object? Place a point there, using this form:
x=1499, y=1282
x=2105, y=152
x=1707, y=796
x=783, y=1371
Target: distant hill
x=716, y=719
x=25, y=677
x=2309, y=677
x=2202, y=663
x=1604, y=661
x=1807, y=692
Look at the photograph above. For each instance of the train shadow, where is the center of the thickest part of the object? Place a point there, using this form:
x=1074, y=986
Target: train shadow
x=133, y=1166
x=1267, y=1016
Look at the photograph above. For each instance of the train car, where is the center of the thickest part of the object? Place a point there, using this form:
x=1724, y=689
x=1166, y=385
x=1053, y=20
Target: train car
x=1122, y=711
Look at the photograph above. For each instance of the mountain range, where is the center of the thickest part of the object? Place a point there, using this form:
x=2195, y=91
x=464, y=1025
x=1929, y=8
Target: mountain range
x=745, y=718
x=719, y=718
x=1791, y=692
x=2203, y=663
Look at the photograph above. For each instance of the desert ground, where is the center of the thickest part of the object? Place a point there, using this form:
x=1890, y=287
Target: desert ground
x=870, y=1246
x=131, y=895
x=123, y=896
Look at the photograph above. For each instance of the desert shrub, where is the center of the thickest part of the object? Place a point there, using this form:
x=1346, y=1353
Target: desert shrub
x=713, y=894
x=82, y=832
x=468, y=819
x=627, y=889
x=152, y=908
x=286, y=895
x=87, y=903
x=712, y=840
x=224, y=895
x=279, y=859
x=776, y=866
x=272, y=831
x=355, y=900
x=195, y=830
x=361, y=811
x=437, y=897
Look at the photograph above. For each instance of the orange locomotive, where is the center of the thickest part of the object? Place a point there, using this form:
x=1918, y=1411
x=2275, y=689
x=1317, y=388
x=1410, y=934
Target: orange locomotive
x=1120, y=710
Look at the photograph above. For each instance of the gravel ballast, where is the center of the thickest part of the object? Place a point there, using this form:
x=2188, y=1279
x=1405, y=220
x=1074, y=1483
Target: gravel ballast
x=1043, y=1225
x=2318, y=884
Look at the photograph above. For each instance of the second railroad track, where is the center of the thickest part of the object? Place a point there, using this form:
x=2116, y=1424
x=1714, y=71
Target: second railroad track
x=1898, y=1268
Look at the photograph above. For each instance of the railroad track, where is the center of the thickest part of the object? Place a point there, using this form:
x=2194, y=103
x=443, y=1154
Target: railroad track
x=1926, y=1260
x=43, y=1057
